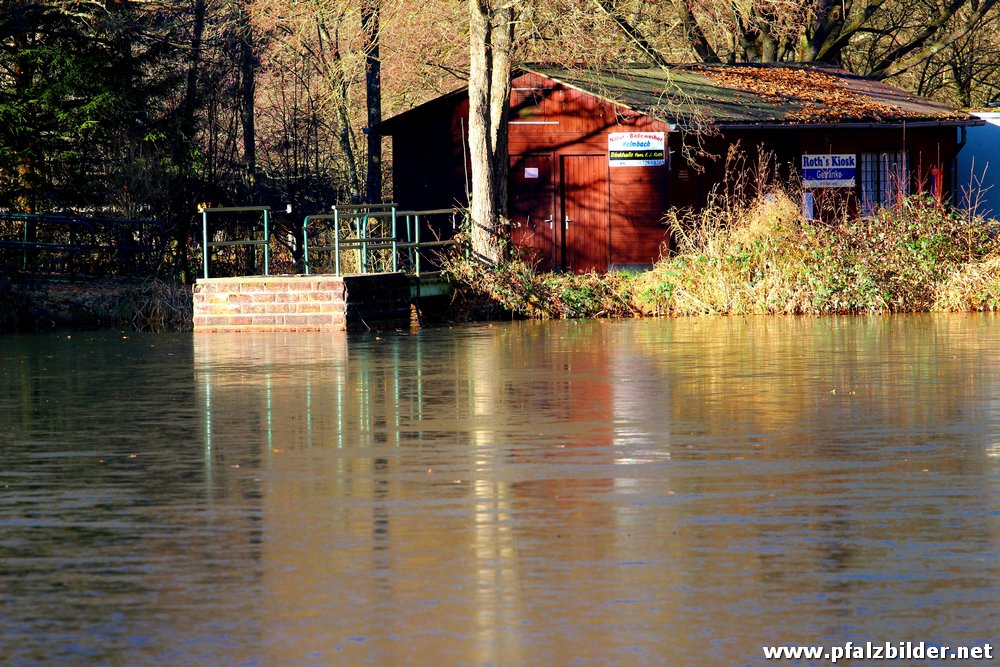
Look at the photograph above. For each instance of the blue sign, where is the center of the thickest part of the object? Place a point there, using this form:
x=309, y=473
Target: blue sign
x=829, y=171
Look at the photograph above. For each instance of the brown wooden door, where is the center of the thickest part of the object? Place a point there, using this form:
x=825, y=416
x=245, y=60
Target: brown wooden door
x=532, y=200
x=586, y=212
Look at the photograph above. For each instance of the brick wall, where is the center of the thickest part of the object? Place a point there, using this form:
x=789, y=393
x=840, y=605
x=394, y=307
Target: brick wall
x=274, y=303
x=302, y=303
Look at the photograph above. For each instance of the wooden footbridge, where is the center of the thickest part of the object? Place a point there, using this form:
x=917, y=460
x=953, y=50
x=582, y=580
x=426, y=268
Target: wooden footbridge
x=360, y=266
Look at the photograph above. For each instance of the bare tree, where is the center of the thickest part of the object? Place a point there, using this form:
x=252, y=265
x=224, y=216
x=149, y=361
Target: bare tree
x=899, y=35
x=370, y=10
x=491, y=43
x=309, y=46
x=248, y=96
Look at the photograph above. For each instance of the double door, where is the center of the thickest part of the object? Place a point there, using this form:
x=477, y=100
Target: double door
x=561, y=221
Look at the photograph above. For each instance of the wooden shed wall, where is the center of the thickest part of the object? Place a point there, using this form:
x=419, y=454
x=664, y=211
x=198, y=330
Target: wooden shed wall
x=550, y=119
x=429, y=165
x=555, y=123
x=928, y=147
x=558, y=142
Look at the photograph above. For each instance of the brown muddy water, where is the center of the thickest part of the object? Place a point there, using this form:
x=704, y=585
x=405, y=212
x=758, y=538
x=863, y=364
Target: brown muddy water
x=670, y=492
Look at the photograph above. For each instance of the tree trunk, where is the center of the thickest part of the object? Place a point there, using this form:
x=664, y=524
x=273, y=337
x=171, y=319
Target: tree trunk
x=342, y=109
x=248, y=92
x=699, y=41
x=181, y=193
x=26, y=166
x=491, y=38
x=373, y=89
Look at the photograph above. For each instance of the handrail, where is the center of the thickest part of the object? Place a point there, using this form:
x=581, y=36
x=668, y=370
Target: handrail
x=65, y=218
x=75, y=235
x=364, y=207
x=206, y=244
x=360, y=240
x=434, y=211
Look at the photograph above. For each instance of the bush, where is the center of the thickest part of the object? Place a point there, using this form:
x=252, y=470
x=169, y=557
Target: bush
x=514, y=288
x=971, y=286
x=756, y=254
x=732, y=259
x=763, y=257
x=158, y=305
x=897, y=260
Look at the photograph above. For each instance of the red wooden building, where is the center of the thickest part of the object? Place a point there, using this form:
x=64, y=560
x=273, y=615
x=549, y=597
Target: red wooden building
x=596, y=157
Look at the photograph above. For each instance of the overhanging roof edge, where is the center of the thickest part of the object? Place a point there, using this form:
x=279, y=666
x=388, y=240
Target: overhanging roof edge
x=861, y=125
x=388, y=126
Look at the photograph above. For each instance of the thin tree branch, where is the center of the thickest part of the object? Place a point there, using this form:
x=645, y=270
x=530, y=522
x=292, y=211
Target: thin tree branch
x=634, y=35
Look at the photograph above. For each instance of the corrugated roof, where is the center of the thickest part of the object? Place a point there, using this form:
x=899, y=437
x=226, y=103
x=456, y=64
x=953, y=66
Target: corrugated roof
x=756, y=94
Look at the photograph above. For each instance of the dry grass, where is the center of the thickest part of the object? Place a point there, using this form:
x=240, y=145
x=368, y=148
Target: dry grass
x=159, y=306
x=732, y=260
x=974, y=286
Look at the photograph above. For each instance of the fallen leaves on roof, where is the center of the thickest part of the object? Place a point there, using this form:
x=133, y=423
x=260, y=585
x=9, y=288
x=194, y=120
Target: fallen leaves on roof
x=808, y=95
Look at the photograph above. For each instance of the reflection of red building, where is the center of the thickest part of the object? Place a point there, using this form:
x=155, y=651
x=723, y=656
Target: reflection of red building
x=596, y=157
x=572, y=420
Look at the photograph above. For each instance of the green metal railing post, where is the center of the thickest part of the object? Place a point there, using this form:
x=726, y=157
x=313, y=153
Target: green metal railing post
x=395, y=264
x=357, y=235
x=204, y=241
x=336, y=241
x=25, y=258
x=363, y=225
x=416, y=238
x=305, y=243
x=409, y=239
x=267, y=242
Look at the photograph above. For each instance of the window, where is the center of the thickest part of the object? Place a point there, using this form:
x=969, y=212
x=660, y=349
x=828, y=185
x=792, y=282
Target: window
x=526, y=108
x=526, y=104
x=885, y=179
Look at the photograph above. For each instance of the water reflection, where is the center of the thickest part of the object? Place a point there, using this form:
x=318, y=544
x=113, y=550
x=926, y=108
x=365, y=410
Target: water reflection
x=668, y=492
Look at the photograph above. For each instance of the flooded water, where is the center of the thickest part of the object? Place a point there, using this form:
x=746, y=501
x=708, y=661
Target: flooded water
x=672, y=492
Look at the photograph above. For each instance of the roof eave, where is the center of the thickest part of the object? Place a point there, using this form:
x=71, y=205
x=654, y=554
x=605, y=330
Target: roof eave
x=856, y=125
x=524, y=69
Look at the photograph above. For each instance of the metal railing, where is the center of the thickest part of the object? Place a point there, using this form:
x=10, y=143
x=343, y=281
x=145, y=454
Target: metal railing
x=414, y=247
x=367, y=233
x=378, y=241
x=208, y=245
x=358, y=238
x=53, y=244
